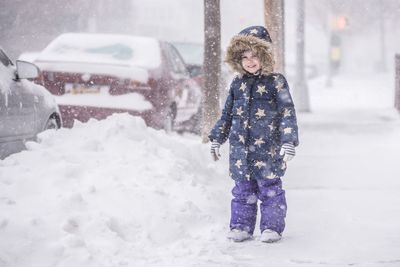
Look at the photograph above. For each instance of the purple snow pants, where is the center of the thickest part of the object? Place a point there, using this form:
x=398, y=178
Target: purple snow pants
x=244, y=205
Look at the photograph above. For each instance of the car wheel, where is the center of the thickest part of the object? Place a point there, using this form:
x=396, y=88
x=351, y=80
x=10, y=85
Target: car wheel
x=51, y=123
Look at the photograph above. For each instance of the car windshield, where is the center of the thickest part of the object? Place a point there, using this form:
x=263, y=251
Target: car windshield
x=103, y=48
x=191, y=53
x=116, y=51
x=5, y=60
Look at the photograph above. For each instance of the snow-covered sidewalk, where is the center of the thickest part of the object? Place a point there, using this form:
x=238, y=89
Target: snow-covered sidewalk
x=115, y=193
x=343, y=188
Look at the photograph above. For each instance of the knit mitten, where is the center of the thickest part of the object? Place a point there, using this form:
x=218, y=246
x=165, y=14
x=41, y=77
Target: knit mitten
x=215, y=150
x=287, y=151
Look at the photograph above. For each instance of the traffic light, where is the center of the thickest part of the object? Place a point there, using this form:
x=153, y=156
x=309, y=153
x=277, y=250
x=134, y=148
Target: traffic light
x=340, y=23
x=335, y=53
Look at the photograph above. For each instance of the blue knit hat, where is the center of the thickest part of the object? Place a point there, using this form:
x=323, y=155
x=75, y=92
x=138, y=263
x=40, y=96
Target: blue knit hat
x=257, y=31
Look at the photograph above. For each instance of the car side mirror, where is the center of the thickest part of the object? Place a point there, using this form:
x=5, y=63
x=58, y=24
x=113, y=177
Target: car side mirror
x=26, y=70
x=194, y=70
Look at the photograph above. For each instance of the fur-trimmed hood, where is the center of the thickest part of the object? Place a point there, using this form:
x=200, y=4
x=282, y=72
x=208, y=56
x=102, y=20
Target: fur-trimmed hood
x=256, y=39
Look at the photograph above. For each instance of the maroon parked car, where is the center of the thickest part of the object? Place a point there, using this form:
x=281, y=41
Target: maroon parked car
x=96, y=75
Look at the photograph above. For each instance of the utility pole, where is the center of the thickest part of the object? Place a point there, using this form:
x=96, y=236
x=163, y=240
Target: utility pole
x=211, y=65
x=274, y=22
x=382, y=65
x=300, y=86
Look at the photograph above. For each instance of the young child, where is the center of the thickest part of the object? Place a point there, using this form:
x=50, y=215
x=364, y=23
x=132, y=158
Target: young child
x=260, y=121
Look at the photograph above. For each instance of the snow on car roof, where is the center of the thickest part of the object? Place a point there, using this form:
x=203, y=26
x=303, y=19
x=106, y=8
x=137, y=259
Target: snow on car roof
x=104, y=48
x=120, y=55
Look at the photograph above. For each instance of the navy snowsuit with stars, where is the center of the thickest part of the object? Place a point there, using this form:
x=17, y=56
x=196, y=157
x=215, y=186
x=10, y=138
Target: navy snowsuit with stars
x=258, y=117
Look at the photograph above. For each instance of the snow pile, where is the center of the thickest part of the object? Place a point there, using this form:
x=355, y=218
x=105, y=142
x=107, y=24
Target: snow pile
x=108, y=193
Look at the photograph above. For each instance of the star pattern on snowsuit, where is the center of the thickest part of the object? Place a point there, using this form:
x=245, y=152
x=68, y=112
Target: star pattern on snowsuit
x=259, y=164
x=262, y=120
x=254, y=31
x=239, y=111
x=279, y=86
x=287, y=130
x=238, y=163
x=260, y=113
x=272, y=152
x=286, y=113
x=243, y=87
x=261, y=89
x=271, y=126
x=259, y=141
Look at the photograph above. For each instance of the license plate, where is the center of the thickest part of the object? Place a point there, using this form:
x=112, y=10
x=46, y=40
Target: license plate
x=71, y=88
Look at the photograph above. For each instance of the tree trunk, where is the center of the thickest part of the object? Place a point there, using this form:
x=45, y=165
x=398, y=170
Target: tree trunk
x=212, y=65
x=274, y=22
x=300, y=86
x=397, y=83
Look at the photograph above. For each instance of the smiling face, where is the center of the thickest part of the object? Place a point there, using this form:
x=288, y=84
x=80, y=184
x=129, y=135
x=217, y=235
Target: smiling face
x=250, y=62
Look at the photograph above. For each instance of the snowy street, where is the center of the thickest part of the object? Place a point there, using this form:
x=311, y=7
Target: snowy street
x=115, y=193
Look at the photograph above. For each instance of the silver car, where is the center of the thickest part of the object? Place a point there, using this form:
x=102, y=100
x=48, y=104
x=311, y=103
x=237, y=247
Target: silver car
x=25, y=107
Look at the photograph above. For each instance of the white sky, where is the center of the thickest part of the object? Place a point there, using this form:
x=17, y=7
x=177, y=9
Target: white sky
x=182, y=20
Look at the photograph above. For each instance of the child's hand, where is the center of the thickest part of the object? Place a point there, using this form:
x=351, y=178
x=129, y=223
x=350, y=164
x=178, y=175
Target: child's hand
x=215, y=150
x=287, y=151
